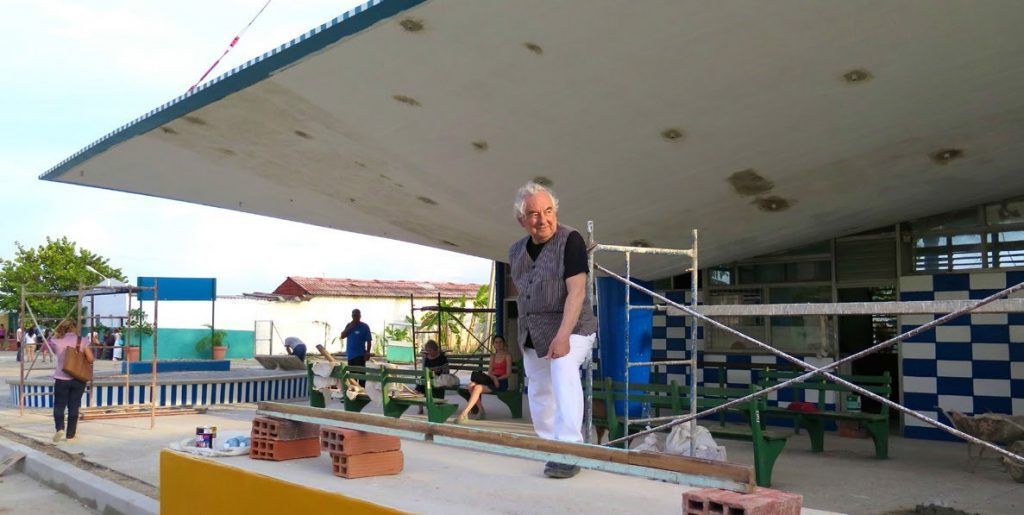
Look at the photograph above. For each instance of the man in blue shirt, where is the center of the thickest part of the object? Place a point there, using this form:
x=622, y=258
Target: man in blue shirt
x=357, y=342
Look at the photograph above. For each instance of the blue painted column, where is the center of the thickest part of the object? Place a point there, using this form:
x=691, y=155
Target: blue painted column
x=611, y=309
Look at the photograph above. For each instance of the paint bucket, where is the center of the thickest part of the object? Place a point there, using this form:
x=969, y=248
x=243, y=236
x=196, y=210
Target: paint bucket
x=206, y=436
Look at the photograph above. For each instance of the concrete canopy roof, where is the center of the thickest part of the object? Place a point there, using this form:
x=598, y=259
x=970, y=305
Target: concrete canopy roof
x=417, y=120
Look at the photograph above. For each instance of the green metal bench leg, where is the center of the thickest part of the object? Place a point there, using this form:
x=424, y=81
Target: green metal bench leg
x=816, y=430
x=514, y=401
x=395, y=409
x=765, y=454
x=879, y=432
x=356, y=404
x=439, y=413
x=316, y=399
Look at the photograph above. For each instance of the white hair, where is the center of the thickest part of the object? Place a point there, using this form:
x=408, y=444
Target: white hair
x=531, y=188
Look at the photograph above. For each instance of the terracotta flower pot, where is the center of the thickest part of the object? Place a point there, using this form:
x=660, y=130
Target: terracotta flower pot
x=218, y=352
x=132, y=353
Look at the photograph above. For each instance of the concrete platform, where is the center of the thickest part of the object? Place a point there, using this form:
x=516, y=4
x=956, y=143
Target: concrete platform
x=846, y=478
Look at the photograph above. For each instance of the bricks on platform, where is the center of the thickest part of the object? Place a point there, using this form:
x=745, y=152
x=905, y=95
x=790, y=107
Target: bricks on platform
x=280, y=450
x=367, y=465
x=349, y=442
x=357, y=454
x=283, y=429
x=763, y=501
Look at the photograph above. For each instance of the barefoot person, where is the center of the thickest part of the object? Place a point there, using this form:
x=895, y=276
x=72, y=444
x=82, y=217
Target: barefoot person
x=494, y=380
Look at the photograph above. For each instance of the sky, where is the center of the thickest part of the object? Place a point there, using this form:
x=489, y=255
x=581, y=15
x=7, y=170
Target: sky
x=78, y=69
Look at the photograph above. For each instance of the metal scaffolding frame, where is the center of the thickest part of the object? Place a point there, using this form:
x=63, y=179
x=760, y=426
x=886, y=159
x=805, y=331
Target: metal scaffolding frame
x=825, y=371
x=93, y=318
x=692, y=322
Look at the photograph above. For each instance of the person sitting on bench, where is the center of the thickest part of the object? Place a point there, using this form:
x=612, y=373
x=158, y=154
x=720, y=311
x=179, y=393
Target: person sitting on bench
x=496, y=380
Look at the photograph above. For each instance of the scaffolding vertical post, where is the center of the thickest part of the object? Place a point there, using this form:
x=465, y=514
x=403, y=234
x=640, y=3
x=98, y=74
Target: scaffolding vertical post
x=588, y=397
x=21, y=352
x=629, y=364
x=412, y=320
x=152, y=373
x=694, y=324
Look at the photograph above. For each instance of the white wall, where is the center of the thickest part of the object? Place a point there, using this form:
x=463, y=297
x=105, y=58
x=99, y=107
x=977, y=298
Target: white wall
x=316, y=321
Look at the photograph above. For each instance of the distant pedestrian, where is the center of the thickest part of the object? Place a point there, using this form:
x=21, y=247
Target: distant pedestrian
x=67, y=391
x=108, y=344
x=357, y=341
x=295, y=347
x=118, y=344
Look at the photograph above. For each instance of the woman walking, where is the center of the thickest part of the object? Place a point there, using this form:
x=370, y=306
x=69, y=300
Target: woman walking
x=67, y=391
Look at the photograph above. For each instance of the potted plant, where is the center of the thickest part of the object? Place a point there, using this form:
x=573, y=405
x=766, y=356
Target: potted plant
x=135, y=327
x=215, y=341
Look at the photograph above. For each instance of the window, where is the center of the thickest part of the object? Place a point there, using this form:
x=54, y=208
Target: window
x=989, y=236
x=754, y=327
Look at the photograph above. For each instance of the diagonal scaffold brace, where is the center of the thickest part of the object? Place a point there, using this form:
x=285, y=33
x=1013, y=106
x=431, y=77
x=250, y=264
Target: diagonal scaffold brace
x=813, y=371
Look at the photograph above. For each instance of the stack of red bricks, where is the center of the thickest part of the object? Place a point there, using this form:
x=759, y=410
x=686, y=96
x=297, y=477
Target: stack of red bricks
x=361, y=454
x=763, y=501
x=280, y=439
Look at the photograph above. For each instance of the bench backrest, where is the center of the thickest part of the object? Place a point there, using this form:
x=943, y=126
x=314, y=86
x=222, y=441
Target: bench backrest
x=481, y=362
x=672, y=396
x=880, y=384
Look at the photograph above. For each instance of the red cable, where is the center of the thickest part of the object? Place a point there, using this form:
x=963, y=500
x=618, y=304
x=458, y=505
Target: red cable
x=230, y=46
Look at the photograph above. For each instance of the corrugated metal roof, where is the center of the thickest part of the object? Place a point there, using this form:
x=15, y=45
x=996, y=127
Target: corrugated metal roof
x=375, y=288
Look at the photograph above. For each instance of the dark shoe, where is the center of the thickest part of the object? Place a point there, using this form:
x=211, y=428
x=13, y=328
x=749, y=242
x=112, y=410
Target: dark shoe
x=560, y=470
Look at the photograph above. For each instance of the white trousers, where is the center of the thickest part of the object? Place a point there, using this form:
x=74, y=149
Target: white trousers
x=555, y=391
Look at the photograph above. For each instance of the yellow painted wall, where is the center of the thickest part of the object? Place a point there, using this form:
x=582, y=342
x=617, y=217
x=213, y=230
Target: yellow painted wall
x=191, y=485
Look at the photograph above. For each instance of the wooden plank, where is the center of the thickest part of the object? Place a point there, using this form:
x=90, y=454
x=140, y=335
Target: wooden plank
x=739, y=474
x=10, y=460
x=112, y=412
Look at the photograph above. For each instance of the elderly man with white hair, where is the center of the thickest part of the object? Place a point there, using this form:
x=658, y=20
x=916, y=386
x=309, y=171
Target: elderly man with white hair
x=556, y=325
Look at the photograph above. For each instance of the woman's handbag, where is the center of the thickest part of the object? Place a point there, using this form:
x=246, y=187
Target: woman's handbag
x=76, y=364
x=445, y=381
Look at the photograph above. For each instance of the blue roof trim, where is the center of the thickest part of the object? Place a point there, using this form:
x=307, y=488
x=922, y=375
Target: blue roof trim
x=240, y=77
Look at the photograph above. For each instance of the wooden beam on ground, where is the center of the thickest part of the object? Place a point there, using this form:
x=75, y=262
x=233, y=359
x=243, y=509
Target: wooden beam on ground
x=111, y=412
x=677, y=469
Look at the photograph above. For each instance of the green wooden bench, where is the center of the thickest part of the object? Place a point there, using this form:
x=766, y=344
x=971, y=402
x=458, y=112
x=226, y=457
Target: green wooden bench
x=345, y=372
x=513, y=397
x=876, y=424
x=438, y=410
x=672, y=399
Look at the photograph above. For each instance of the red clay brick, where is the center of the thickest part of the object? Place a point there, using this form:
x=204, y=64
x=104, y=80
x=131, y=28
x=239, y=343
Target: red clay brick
x=349, y=442
x=283, y=429
x=763, y=501
x=366, y=465
x=279, y=450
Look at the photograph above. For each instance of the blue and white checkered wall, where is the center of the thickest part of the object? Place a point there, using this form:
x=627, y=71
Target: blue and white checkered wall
x=668, y=341
x=973, y=364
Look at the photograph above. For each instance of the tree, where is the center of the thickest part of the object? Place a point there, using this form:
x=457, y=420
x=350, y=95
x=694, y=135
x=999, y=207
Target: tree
x=57, y=266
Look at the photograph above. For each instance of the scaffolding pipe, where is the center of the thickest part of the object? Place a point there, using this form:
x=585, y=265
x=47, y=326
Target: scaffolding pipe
x=694, y=270
x=588, y=394
x=822, y=370
x=153, y=372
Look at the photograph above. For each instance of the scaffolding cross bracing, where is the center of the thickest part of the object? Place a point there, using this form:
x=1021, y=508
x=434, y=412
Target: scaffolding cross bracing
x=812, y=371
